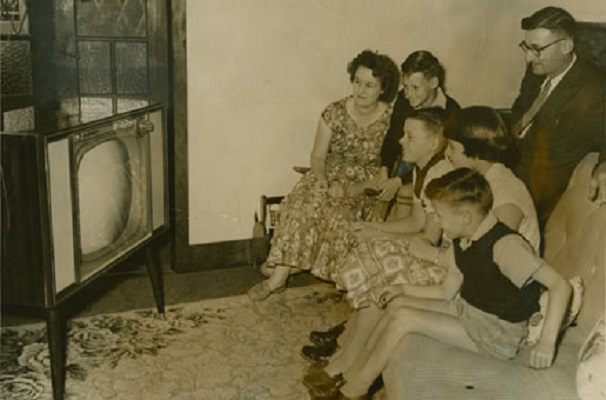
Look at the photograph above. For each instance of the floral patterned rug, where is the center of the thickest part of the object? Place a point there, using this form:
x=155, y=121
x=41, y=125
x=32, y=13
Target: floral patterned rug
x=220, y=349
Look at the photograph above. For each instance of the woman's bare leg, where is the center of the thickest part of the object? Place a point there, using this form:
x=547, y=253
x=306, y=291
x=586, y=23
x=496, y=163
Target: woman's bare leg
x=266, y=288
x=279, y=276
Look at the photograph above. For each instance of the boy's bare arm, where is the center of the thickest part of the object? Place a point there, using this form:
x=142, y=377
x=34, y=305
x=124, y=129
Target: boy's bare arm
x=413, y=223
x=559, y=295
x=509, y=214
x=433, y=229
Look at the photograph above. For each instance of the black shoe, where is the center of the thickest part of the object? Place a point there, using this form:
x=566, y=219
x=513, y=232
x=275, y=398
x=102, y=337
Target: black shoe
x=321, y=338
x=322, y=382
x=319, y=353
x=334, y=394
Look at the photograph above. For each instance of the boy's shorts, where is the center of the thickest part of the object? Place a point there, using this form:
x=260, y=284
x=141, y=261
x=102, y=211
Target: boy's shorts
x=491, y=335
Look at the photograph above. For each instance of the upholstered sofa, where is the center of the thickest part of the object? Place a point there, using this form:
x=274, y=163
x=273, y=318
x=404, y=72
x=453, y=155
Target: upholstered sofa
x=575, y=244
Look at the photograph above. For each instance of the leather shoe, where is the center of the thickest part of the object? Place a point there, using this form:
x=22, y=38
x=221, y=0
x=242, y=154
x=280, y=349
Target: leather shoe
x=318, y=378
x=323, y=337
x=331, y=394
x=319, y=354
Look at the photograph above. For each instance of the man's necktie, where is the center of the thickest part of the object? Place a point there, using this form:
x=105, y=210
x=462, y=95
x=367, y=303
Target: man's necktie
x=529, y=115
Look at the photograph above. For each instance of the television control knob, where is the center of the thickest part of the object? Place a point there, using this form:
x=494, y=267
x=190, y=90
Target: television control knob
x=144, y=126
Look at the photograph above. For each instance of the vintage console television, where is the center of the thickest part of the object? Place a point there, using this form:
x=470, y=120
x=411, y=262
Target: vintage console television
x=75, y=202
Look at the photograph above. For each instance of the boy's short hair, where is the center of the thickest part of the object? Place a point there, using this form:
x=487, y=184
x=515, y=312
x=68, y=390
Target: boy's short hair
x=483, y=134
x=462, y=186
x=426, y=63
x=433, y=118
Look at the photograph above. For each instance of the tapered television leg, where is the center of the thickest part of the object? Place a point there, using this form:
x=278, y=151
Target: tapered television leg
x=155, y=275
x=55, y=329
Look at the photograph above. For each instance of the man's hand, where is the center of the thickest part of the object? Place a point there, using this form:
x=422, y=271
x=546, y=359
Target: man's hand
x=597, y=188
x=389, y=188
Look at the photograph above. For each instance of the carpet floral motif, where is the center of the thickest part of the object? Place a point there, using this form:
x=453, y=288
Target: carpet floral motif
x=220, y=349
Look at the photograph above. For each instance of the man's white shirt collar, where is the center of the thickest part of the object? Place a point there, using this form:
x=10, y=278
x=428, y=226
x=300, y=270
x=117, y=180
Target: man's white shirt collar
x=555, y=81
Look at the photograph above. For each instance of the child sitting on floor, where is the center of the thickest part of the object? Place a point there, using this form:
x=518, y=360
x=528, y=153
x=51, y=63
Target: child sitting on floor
x=493, y=286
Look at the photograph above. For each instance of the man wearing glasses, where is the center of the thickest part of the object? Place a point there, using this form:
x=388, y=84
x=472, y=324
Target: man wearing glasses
x=559, y=115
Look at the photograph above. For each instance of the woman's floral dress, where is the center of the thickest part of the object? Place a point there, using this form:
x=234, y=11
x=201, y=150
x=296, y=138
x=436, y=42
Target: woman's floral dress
x=380, y=261
x=383, y=259
x=314, y=230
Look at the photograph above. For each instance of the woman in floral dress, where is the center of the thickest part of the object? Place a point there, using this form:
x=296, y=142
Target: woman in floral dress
x=314, y=228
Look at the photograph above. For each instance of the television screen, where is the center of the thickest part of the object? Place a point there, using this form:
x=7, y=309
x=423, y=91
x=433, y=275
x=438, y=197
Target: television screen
x=113, y=181
x=104, y=194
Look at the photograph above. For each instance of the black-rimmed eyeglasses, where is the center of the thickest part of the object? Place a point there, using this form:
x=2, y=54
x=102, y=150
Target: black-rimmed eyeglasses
x=536, y=51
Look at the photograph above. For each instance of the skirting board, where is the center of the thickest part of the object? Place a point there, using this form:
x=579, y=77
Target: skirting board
x=202, y=257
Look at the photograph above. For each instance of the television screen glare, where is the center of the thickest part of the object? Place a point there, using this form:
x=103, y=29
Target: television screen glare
x=104, y=193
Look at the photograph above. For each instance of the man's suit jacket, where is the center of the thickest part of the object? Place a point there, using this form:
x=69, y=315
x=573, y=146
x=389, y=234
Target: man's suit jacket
x=570, y=124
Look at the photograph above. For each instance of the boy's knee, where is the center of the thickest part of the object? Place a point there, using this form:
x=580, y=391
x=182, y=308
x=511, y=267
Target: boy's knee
x=408, y=318
x=391, y=313
x=401, y=318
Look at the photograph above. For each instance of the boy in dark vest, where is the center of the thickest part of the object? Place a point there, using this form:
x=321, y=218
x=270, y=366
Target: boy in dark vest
x=493, y=287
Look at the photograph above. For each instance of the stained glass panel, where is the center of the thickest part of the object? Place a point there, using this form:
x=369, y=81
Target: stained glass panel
x=93, y=108
x=94, y=67
x=18, y=120
x=13, y=17
x=111, y=18
x=15, y=68
x=131, y=104
x=131, y=68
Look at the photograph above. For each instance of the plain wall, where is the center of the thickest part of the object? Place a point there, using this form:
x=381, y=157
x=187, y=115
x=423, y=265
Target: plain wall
x=261, y=71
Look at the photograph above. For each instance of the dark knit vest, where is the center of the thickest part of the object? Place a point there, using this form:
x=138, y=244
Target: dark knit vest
x=484, y=285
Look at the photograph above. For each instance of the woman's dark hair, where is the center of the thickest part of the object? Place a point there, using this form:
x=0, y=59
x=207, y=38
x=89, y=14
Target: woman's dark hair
x=463, y=186
x=382, y=67
x=426, y=63
x=483, y=134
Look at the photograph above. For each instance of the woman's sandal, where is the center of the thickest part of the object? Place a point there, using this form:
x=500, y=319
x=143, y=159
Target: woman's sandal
x=262, y=290
x=266, y=270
